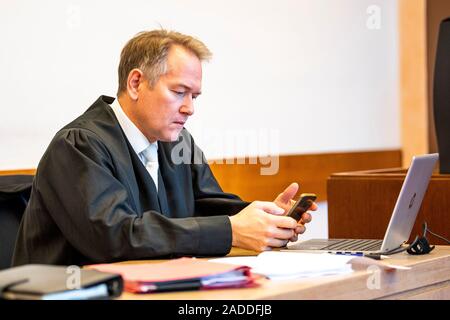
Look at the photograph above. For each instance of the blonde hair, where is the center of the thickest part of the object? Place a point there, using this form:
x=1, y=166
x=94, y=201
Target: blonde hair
x=148, y=51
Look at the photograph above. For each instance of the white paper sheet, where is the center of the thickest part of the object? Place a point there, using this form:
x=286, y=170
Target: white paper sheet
x=280, y=265
x=289, y=265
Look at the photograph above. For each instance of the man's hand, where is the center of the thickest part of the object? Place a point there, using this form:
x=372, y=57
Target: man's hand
x=253, y=228
x=284, y=200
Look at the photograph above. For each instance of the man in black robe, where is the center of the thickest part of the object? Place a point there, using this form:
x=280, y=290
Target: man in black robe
x=126, y=181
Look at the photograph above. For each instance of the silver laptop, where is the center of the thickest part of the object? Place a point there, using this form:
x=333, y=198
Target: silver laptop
x=402, y=219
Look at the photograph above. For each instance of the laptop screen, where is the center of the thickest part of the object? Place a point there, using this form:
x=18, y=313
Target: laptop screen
x=409, y=201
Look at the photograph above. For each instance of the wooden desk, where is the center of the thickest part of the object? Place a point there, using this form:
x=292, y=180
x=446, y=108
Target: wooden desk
x=429, y=278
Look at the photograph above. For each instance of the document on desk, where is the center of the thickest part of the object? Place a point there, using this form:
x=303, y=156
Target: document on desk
x=49, y=282
x=179, y=274
x=277, y=265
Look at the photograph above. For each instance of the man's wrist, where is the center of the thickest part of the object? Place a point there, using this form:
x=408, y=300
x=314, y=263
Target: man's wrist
x=233, y=236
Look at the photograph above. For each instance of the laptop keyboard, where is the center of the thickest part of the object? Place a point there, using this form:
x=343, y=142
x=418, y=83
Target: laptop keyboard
x=355, y=245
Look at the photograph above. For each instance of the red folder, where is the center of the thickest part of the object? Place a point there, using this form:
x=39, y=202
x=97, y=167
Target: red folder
x=179, y=274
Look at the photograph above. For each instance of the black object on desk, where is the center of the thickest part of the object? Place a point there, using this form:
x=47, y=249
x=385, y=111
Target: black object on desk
x=47, y=282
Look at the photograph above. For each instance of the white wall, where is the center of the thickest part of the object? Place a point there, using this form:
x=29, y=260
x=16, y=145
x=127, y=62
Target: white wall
x=305, y=75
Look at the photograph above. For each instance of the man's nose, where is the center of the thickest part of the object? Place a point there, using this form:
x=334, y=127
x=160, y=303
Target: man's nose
x=188, y=105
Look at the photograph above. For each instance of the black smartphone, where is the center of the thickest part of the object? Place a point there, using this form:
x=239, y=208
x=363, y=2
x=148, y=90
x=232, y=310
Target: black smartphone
x=302, y=205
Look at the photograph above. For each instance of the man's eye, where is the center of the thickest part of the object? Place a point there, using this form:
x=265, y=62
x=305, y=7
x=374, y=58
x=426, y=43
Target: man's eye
x=179, y=93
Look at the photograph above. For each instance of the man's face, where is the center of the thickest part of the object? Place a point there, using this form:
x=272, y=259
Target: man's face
x=162, y=110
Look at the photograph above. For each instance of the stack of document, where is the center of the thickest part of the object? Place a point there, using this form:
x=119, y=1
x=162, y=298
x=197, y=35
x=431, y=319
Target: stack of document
x=280, y=265
x=179, y=274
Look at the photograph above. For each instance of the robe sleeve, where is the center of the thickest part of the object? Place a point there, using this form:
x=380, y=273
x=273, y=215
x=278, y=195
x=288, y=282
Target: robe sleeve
x=95, y=213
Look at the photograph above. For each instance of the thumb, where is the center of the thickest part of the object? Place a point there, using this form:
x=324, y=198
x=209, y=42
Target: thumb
x=288, y=193
x=269, y=207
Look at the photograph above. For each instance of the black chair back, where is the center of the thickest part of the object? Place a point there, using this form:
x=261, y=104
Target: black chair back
x=441, y=96
x=14, y=195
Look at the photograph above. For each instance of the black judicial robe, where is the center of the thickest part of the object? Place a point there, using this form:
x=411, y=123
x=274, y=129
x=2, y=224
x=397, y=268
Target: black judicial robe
x=93, y=200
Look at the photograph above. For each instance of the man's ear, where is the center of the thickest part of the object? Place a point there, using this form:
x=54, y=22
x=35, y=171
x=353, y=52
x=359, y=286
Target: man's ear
x=135, y=78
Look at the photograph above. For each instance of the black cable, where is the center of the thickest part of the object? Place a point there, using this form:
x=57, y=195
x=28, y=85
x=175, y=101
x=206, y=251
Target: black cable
x=401, y=249
x=420, y=245
x=424, y=229
x=377, y=256
x=438, y=236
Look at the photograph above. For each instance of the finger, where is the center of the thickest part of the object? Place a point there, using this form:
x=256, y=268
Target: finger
x=313, y=207
x=306, y=218
x=282, y=233
x=269, y=207
x=277, y=243
x=294, y=238
x=284, y=222
x=288, y=193
x=300, y=229
x=287, y=206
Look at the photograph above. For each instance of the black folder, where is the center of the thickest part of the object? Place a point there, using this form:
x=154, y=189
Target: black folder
x=48, y=282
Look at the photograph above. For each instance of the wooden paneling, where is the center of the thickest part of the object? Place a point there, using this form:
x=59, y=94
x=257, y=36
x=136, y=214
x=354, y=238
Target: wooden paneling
x=360, y=204
x=18, y=171
x=310, y=171
x=413, y=78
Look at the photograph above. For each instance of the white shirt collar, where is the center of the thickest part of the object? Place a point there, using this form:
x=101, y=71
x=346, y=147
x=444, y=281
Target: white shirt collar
x=137, y=139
